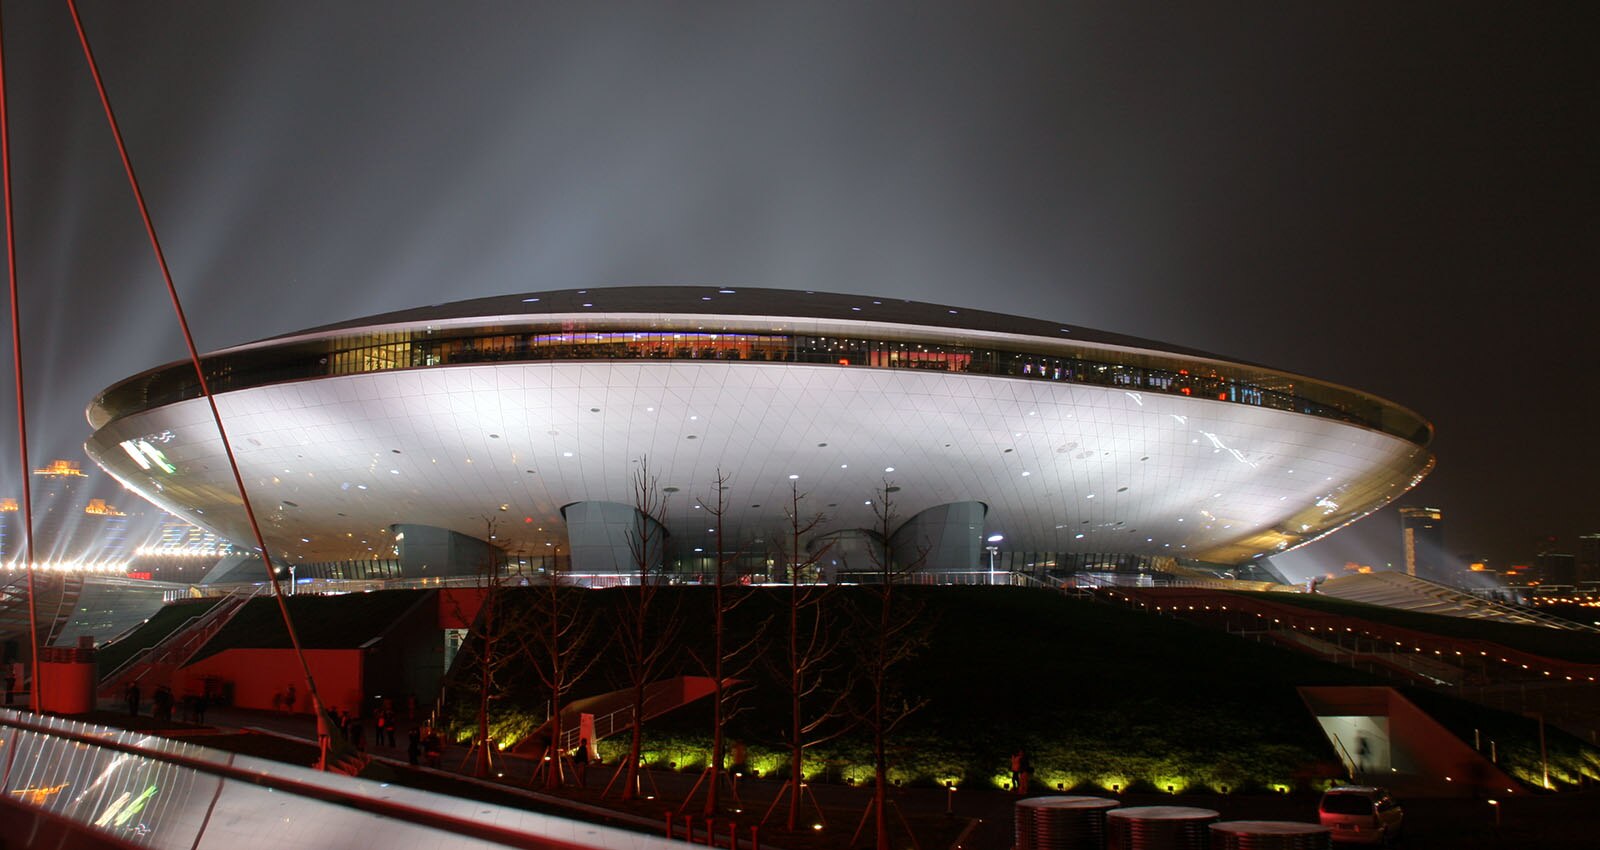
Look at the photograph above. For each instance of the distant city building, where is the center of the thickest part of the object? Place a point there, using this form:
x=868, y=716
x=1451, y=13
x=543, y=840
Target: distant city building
x=56, y=508
x=68, y=526
x=1555, y=569
x=177, y=536
x=103, y=536
x=11, y=537
x=1589, y=558
x=1422, y=533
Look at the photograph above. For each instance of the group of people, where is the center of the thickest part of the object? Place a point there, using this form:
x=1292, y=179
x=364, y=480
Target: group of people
x=163, y=701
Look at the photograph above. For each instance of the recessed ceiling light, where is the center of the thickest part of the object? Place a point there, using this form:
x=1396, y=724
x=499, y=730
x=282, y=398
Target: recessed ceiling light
x=794, y=478
x=529, y=300
x=566, y=454
x=888, y=469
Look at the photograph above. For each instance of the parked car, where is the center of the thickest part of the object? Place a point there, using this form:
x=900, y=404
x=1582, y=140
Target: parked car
x=1361, y=814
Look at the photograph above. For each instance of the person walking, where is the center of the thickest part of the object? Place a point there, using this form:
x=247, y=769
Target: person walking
x=414, y=746
x=432, y=748
x=163, y=704
x=131, y=694
x=1021, y=771
x=580, y=762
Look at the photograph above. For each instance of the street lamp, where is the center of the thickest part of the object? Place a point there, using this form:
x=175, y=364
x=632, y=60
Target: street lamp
x=993, y=539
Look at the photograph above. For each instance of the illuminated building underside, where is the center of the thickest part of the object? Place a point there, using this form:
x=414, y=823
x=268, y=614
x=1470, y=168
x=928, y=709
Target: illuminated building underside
x=334, y=461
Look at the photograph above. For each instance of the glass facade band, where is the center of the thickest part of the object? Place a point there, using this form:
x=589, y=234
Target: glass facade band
x=381, y=352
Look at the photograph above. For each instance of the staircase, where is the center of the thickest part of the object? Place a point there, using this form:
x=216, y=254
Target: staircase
x=613, y=712
x=157, y=663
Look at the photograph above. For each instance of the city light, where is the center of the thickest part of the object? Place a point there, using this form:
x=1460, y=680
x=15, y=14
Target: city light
x=97, y=567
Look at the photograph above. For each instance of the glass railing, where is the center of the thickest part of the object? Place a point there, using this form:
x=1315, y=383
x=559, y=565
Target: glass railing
x=154, y=792
x=1134, y=372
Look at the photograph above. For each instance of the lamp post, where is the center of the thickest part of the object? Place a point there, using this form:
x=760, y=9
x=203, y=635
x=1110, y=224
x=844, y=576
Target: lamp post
x=993, y=539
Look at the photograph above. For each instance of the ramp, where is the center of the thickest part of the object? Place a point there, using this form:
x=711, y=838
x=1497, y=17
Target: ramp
x=1383, y=739
x=613, y=712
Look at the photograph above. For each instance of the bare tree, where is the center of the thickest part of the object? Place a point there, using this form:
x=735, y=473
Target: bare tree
x=808, y=662
x=560, y=633
x=891, y=631
x=728, y=662
x=644, y=638
x=492, y=628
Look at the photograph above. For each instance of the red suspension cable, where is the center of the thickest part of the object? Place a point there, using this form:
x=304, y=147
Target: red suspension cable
x=194, y=358
x=16, y=361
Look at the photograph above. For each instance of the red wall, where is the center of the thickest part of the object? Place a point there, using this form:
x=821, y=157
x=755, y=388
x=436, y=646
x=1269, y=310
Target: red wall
x=257, y=675
x=458, y=606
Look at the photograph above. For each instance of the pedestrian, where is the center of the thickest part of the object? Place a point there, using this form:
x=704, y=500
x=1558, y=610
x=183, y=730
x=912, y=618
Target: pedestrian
x=580, y=762
x=1021, y=771
x=379, y=728
x=389, y=727
x=432, y=748
x=289, y=698
x=414, y=746
x=163, y=704
x=11, y=685
x=201, y=703
x=131, y=694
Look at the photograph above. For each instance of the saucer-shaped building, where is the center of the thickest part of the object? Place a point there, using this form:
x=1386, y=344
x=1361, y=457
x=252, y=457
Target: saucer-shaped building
x=401, y=444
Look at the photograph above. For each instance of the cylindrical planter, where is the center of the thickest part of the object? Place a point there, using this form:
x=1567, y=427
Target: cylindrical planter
x=1062, y=823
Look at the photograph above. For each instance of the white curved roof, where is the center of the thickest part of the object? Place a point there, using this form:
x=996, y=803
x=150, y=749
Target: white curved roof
x=332, y=462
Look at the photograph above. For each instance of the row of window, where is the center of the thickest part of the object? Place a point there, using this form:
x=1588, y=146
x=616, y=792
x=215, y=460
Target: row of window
x=410, y=350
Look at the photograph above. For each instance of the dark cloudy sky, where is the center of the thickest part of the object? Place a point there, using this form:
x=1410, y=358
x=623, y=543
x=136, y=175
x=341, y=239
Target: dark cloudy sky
x=1401, y=197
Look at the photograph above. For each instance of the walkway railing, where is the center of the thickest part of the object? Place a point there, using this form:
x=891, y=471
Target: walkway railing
x=152, y=792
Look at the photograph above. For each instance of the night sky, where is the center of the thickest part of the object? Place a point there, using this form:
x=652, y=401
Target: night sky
x=1399, y=197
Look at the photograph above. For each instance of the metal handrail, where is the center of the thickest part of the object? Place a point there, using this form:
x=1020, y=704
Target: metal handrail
x=328, y=789
x=201, y=623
